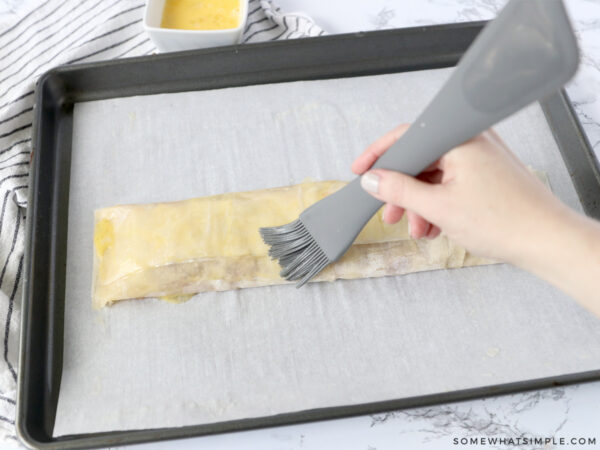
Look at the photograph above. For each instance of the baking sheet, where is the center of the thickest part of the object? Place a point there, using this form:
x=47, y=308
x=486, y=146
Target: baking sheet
x=264, y=351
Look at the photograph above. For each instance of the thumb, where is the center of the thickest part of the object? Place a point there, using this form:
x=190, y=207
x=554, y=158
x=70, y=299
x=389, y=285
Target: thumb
x=401, y=190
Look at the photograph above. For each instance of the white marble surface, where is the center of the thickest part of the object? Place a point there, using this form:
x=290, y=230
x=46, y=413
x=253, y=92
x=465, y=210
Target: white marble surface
x=569, y=412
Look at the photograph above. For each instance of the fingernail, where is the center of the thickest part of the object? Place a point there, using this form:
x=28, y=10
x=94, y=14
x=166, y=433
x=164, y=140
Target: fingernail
x=370, y=182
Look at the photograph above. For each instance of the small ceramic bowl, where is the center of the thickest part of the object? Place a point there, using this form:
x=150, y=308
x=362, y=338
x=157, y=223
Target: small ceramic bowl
x=172, y=40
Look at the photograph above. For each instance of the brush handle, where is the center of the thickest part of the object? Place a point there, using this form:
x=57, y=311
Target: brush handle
x=529, y=51
x=526, y=53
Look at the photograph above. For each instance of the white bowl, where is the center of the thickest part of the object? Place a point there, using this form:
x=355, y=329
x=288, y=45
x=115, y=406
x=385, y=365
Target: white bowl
x=172, y=40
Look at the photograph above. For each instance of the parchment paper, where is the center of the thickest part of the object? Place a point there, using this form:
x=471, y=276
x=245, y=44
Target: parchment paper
x=263, y=351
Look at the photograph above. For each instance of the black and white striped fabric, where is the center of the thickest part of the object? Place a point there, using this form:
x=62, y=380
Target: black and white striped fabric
x=42, y=35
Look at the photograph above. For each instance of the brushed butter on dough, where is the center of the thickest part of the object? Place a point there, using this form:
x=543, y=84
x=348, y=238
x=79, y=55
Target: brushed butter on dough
x=213, y=244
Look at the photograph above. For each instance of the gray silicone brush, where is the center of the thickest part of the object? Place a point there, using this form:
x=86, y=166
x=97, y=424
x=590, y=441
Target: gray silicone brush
x=529, y=51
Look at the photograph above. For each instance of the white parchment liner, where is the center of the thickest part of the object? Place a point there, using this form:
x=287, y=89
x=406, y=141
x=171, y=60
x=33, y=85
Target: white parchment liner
x=263, y=351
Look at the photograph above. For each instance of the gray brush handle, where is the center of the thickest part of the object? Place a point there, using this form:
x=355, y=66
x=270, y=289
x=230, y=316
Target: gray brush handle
x=517, y=59
x=529, y=51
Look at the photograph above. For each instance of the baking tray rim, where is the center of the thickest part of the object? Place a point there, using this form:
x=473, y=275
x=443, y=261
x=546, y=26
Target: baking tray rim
x=558, y=111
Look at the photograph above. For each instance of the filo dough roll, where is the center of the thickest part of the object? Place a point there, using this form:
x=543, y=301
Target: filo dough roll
x=213, y=244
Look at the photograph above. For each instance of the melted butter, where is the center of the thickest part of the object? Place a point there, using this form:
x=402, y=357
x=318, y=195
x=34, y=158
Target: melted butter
x=104, y=236
x=201, y=14
x=177, y=298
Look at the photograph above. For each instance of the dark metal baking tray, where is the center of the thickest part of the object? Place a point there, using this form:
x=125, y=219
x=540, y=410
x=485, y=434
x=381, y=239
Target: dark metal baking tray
x=336, y=56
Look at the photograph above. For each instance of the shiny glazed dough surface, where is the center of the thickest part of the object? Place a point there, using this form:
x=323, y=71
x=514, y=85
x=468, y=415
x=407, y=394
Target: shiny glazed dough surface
x=213, y=244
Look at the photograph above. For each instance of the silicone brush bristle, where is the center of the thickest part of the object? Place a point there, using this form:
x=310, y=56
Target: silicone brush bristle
x=298, y=254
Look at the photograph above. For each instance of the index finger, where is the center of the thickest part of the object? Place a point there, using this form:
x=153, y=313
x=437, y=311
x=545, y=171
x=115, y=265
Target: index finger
x=376, y=149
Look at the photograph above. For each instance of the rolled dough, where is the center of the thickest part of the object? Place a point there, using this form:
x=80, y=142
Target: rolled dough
x=212, y=244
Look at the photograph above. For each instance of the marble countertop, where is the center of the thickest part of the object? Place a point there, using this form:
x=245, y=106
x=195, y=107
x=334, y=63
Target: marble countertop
x=565, y=412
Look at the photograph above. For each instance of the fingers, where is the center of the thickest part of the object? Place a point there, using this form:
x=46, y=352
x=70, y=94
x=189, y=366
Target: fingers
x=434, y=232
x=376, y=149
x=392, y=213
x=418, y=226
x=401, y=190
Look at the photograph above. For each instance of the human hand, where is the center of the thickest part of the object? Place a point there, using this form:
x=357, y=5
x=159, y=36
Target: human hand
x=482, y=197
x=479, y=194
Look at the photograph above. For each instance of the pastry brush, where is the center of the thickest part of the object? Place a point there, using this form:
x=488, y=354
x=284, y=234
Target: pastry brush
x=526, y=53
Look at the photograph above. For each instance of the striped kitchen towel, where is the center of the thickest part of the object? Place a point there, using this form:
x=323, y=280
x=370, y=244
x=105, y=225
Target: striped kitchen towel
x=40, y=35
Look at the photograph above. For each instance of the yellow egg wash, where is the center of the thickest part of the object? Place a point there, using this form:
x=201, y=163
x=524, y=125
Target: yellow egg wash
x=201, y=14
x=103, y=236
x=176, y=298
